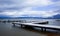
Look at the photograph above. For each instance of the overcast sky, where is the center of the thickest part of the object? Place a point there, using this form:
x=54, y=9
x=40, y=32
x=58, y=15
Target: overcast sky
x=29, y=8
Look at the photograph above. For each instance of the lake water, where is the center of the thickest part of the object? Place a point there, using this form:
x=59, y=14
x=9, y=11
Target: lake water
x=51, y=21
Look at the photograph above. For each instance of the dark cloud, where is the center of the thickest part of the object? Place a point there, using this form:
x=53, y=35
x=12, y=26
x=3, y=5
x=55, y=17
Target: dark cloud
x=55, y=0
x=10, y=5
x=58, y=11
x=4, y=5
x=8, y=2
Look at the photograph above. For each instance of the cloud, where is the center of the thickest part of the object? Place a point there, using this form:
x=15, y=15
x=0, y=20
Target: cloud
x=37, y=2
x=30, y=13
x=22, y=3
x=24, y=8
x=43, y=14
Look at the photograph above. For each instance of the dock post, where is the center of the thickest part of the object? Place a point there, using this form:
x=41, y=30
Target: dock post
x=21, y=25
x=41, y=29
x=13, y=24
x=44, y=29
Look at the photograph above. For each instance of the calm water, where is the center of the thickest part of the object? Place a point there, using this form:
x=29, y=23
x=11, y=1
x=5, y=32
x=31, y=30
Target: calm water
x=51, y=21
x=8, y=30
x=54, y=22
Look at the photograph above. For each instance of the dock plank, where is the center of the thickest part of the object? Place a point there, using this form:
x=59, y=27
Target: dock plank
x=39, y=25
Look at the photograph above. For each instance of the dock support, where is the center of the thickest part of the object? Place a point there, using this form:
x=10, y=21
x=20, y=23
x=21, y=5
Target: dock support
x=44, y=29
x=41, y=29
x=22, y=25
x=13, y=24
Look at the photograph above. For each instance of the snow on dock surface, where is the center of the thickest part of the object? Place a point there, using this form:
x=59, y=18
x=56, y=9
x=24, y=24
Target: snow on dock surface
x=39, y=25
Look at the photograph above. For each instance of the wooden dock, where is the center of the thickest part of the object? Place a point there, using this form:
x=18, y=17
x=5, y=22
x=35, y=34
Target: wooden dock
x=38, y=25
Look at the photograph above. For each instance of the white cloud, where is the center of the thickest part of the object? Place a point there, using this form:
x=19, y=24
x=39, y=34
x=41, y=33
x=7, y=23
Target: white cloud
x=31, y=13
x=37, y=2
x=27, y=6
x=44, y=14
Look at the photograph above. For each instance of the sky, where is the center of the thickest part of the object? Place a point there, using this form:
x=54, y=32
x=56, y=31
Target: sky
x=29, y=8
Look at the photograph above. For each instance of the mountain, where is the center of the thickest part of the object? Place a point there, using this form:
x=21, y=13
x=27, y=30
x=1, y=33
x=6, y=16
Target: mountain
x=54, y=17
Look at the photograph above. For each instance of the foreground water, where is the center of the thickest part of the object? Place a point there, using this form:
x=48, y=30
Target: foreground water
x=6, y=29
x=9, y=30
